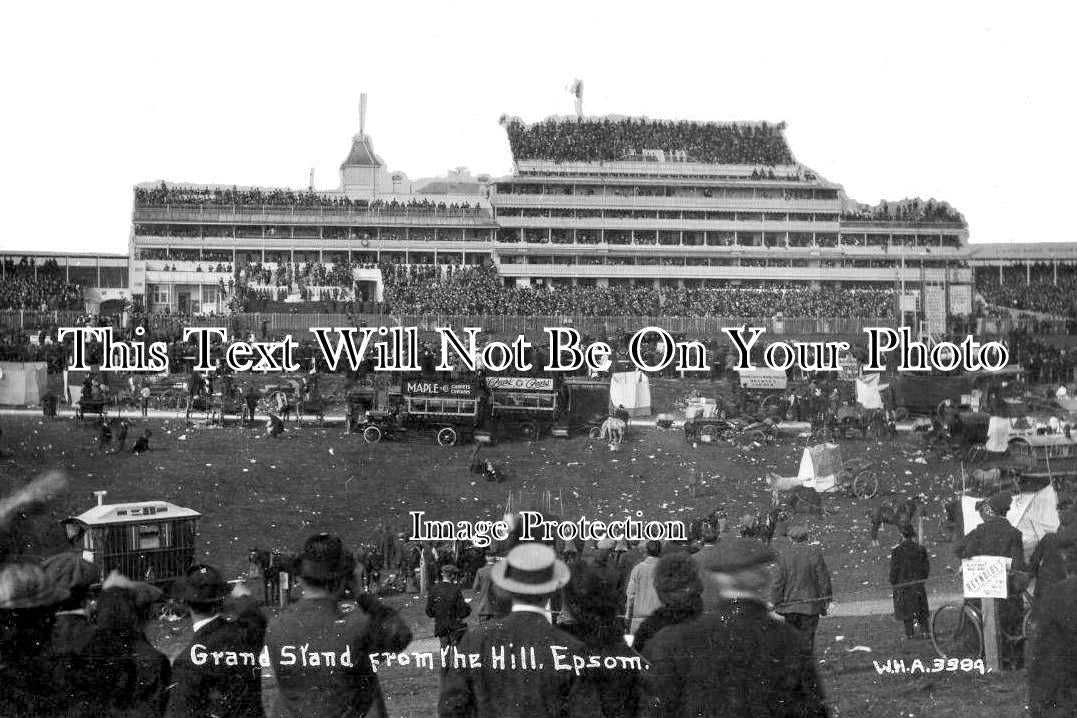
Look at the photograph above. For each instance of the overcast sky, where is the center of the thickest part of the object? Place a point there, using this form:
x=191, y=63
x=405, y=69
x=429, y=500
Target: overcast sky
x=969, y=103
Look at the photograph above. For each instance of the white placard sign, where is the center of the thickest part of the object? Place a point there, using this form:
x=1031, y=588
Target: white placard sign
x=960, y=299
x=935, y=309
x=985, y=576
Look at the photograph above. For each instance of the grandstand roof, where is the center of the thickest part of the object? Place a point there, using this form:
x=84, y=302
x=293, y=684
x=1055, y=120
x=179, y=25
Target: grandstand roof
x=1024, y=252
x=362, y=154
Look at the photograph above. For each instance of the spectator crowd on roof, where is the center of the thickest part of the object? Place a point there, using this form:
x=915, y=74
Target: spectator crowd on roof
x=481, y=290
x=907, y=210
x=1032, y=289
x=26, y=285
x=572, y=140
x=165, y=195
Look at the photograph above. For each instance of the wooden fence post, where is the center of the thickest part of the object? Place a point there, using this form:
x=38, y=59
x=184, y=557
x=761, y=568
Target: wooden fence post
x=991, y=633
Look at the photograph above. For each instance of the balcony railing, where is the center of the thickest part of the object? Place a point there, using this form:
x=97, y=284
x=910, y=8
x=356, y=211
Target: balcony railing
x=269, y=214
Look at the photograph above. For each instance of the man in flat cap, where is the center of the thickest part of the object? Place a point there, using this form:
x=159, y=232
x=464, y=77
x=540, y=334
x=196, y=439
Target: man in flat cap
x=996, y=536
x=802, y=590
x=203, y=684
x=531, y=574
x=737, y=660
x=336, y=677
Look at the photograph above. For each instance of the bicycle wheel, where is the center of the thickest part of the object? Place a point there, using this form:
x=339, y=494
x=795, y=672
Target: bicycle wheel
x=956, y=632
x=865, y=485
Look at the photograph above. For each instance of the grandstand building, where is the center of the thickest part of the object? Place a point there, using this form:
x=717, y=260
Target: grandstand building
x=590, y=202
x=701, y=204
x=608, y=202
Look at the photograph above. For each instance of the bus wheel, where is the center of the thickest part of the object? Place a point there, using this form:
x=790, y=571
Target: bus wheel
x=447, y=436
x=529, y=430
x=372, y=434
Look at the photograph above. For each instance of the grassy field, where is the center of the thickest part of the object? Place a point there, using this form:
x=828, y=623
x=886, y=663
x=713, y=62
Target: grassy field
x=269, y=493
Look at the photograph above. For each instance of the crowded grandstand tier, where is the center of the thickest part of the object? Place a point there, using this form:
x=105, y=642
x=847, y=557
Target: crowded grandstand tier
x=612, y=139
x=600, y=216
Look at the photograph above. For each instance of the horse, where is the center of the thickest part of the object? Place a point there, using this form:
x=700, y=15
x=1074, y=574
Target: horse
x=613, y=430
x=716, y=521
x=764, y=526
x=270, y=565
x=898, y=514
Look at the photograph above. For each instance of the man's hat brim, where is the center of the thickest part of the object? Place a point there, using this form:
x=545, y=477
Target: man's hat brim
x=560, y=576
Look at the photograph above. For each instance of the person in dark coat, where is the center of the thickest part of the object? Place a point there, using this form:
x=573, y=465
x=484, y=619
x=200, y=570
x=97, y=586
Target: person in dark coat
x=802, y=591
x=909, y=568
x=202, y=686
x=530, y=574
x=142, y=444
x=118, y=673
x=737, y=660
x=997, y=537
x=350, y=688
x=680, y=588
x=591, y=598
x=72, y=627
x=1046, y=565
x=446, y=605
x=486, y=603
x=30, y=685
x=1052, y=691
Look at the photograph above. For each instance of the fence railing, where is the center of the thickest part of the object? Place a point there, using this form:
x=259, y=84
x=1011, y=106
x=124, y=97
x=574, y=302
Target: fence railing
x=279, y=323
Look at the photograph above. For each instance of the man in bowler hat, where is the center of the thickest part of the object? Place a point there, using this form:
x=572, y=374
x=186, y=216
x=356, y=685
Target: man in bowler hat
x=339, y=680
x=531, y=574
x=203, y=686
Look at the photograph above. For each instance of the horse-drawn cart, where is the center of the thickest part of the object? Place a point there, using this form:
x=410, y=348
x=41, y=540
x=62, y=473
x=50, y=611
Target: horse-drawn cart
x=823, y=471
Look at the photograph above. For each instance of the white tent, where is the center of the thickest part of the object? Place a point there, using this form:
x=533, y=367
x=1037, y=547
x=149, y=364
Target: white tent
x=867, y=391
x=820, y=466
x=1034, y=513
x=22, y=383
x=632, y=390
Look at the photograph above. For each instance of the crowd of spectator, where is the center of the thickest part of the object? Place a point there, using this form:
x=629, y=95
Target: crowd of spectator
x=173, y=196
x=42, y=287
x=907, y=210
x=593, y=140
x=481, y=290
x=1031, y=289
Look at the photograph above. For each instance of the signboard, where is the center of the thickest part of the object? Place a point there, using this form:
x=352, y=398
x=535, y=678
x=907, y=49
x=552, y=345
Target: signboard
x=519, y=383
x=850, y=368
x=985, y=576
x=763, y=378
x=909, y=302
x=960, y=299
x=935, y=309
x=439, y=388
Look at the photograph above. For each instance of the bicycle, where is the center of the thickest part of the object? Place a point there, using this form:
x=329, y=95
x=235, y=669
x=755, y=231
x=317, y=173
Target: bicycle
x=957, y=628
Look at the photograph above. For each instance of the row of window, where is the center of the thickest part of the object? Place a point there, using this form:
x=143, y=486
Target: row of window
x=684, y=191
x=698, y=215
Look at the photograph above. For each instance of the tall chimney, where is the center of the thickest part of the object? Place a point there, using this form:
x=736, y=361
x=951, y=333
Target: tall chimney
x=362, y=114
